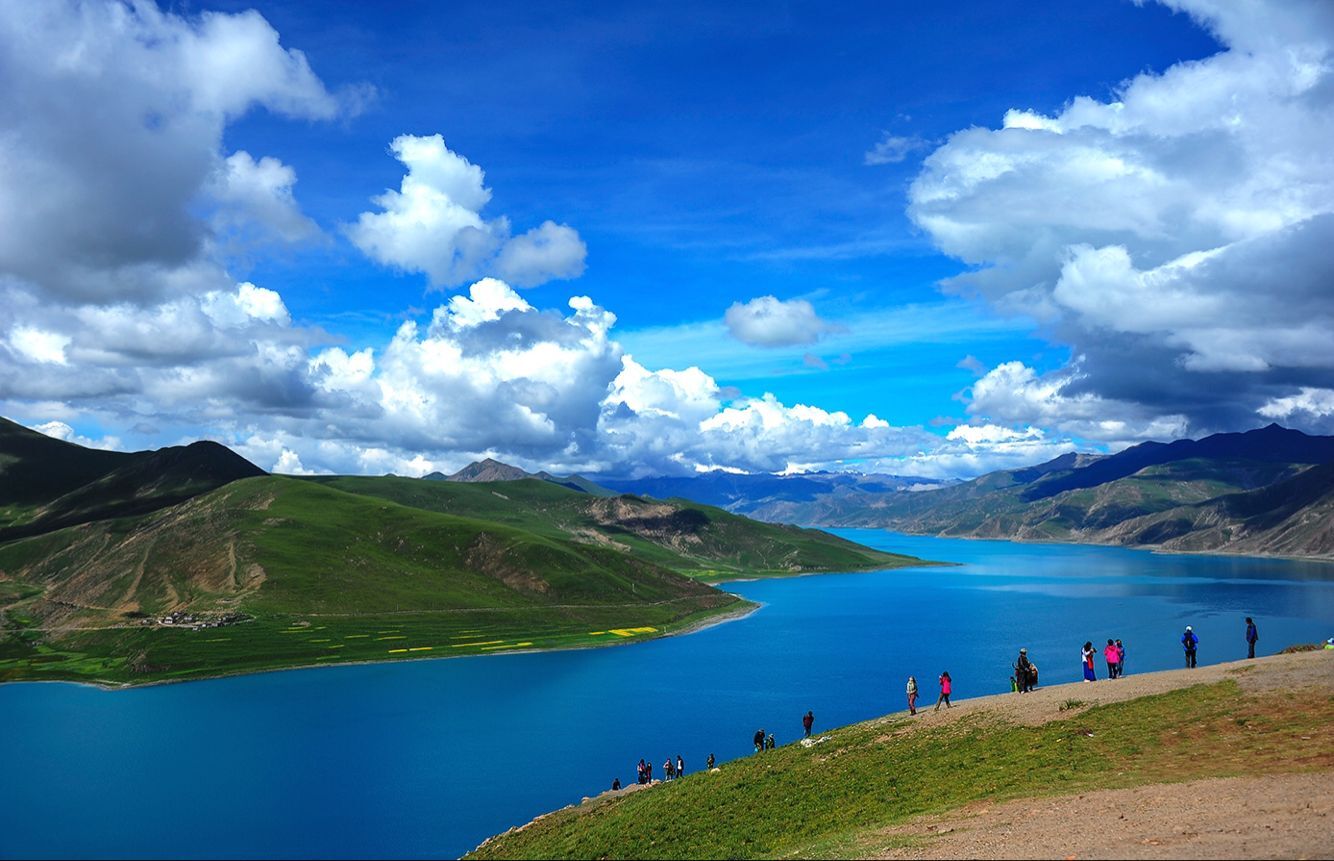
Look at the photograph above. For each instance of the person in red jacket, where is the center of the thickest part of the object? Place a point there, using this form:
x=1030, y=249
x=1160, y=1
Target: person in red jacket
x=807, y=722
x=946, y=686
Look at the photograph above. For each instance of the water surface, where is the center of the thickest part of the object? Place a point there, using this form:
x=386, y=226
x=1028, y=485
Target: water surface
x=428, y=758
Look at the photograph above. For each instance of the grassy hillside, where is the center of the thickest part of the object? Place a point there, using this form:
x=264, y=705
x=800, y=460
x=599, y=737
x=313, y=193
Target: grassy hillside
x=353, y=569
x=837, y=798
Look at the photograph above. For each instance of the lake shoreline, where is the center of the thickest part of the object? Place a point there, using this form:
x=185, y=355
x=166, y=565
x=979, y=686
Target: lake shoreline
x=731, y=614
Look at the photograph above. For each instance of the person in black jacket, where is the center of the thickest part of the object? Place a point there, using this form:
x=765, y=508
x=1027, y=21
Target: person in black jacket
x=1252, y=634
x=1023, y=672
x=1190, y=642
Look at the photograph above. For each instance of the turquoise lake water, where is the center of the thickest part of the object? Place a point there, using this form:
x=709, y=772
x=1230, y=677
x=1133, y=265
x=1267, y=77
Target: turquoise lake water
x=428, y=758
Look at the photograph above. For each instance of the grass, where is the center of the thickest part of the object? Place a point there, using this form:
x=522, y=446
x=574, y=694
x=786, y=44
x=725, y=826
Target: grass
x=834, y=799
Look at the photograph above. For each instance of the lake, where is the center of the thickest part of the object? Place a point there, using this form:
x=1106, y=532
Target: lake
x=428, y=758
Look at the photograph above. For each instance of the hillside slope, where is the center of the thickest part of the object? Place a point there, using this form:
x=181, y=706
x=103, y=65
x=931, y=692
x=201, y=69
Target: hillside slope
x=901, y=783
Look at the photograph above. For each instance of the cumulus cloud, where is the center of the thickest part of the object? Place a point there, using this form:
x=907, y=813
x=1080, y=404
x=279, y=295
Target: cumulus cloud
x=256, y=198
x=771, y=322
x=112, y=131
x=433, y=224
x=1174, y=236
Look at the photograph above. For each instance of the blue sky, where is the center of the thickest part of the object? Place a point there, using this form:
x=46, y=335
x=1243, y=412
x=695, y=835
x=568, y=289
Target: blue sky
x=689, y=159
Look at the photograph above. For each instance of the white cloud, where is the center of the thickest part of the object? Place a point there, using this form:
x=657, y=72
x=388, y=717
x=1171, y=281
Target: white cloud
x=1176, y=235
x=1316, y=403
x=433, y=224
x=255, y=197
x=771, y=322
x=38, y=345
x=63, y=431
x=112, y=131
x=892, y=149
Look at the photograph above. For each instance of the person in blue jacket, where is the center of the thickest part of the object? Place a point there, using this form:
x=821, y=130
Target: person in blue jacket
x=1252, y=634
x=1189, y=642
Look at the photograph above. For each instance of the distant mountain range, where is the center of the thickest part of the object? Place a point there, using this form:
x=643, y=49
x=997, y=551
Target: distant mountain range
x=105, y=556
x=1265, y=491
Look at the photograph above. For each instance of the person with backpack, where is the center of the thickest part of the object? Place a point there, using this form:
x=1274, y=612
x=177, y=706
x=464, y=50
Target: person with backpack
x=680, y=766
x=1088, y=652
x=946, y=687
x=1023, y=672
x=1252, y=634
x=1112, y=657
x=807, y=722
x=912, y=695
x=1190, y=643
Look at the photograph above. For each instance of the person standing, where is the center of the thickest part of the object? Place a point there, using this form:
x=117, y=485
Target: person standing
x=680, y=766
x=1088, y=653
x=1111, y=656
x=708, y=763
x=641, y=772
x=1252, y=634
x=759, y=740
x=648, y=772
x=1190, y=643
x=912, y=695
x=807, y=722
x=1023, y=672
x=946, y=688
x=615, y=784
x=1120, y=659
x=668, y=770
x=772, y=744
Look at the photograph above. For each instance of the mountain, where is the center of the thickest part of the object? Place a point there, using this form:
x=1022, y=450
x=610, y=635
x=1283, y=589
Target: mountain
x=1265, y=491
x=488, y=470
x=753, y=494
x=189, y=562
x=46, y=484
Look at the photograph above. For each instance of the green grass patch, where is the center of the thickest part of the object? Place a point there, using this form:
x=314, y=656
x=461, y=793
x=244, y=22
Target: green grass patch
x=832, y=799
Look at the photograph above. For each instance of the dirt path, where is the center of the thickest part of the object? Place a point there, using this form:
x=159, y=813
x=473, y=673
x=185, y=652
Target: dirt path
x=1276, y=816
x=1277, y=672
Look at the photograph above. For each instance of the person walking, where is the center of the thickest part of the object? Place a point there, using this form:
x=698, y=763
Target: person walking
x=1120, y=659
x=708, y=763
x=1252, y=634
x=1088, y=653
x=1023, y=672
x=1112, y=657
x=946, y=688
x=759, y=740
x=807, y=722
x=912, y=695
x=680, y=766
x=1190, y=643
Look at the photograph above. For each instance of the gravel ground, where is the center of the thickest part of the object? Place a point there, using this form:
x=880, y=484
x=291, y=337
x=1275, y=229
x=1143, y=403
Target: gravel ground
x=1276, y=816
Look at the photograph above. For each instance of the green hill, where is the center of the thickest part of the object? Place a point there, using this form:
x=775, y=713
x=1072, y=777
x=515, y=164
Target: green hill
x=266, y=572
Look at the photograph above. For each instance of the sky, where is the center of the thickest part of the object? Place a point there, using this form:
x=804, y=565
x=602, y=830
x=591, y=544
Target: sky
x=665, y=238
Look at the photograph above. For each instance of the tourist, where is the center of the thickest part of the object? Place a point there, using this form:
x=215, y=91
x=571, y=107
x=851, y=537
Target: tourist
x=680, y=766
x=1112, y=658
x=946, y=686
x=1023, y=672
x=772, y=743
x=642, y=772
x=708, y=763
x=1088, y=653
x=1120, y=659
x=1190, y=643
x=668, y=770
x=912, y=695
x=1252, y=634
x=615, y=784
x=648, y=772
x=759, y=740
x=807, y=722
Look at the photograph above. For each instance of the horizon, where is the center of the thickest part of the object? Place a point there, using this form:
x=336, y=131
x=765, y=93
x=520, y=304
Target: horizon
x=670, y=239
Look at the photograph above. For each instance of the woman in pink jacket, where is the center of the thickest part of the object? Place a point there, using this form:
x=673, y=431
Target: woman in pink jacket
x=1113, y=658
x=946, y=685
